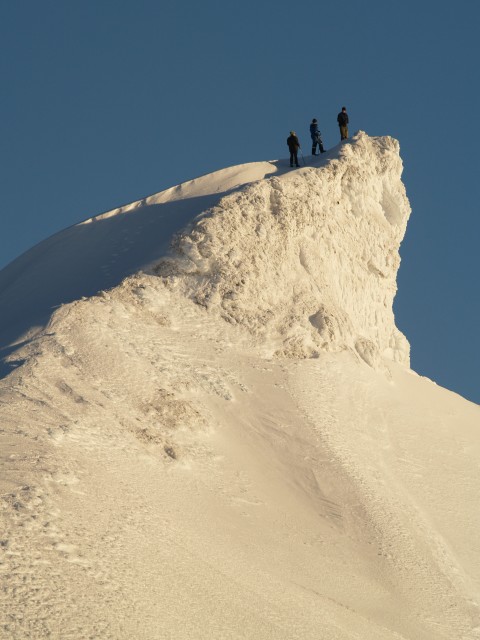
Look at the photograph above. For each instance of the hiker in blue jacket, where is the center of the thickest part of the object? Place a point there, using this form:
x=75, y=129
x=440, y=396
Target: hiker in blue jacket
x=316, y=138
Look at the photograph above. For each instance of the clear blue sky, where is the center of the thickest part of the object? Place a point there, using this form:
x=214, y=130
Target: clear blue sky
x=104, y=102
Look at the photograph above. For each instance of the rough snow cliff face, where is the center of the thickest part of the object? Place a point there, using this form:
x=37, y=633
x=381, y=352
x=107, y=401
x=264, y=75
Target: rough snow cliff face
x=307, y=261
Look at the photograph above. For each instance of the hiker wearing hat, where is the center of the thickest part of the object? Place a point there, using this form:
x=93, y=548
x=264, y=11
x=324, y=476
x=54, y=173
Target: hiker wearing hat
x=316, y=138
x=342, y=120
x=294, y=146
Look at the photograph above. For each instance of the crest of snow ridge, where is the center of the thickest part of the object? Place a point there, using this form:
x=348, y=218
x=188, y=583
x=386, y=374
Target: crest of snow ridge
x=306, y=261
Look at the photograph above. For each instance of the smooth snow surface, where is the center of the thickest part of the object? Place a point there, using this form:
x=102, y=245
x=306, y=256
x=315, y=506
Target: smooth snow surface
x=229, y=442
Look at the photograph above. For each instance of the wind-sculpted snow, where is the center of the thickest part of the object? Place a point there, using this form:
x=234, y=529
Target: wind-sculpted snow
x=174, y=462
x=306, y=261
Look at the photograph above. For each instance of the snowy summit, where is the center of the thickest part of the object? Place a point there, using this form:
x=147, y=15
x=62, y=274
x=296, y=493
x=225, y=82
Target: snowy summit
x=210, y=429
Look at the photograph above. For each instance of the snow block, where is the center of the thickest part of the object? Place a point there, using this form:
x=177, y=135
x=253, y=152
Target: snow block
x=306, y=262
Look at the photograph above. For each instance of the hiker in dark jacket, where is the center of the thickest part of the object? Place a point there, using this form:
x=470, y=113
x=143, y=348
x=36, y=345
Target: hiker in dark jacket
x=294, y=146
x=316, y=138
x=342, y=120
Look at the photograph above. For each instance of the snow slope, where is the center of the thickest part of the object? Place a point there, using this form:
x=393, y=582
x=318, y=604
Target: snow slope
x=229, y=442
x=99, y=252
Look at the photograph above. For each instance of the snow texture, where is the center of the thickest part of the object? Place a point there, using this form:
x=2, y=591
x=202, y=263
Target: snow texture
x=209, y=428
x=307, y=262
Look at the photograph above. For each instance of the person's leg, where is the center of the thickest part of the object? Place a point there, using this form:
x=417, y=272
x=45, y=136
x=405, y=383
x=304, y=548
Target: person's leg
x=296, y=158
x=291, y=158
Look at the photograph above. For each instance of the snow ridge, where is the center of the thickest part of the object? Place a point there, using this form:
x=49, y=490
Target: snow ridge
x=306, y=261
x=162, y=475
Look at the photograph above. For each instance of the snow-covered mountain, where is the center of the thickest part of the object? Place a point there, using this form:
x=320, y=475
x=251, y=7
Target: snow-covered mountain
x=210, y=429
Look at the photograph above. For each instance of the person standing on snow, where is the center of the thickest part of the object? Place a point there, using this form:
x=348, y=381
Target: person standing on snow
x=294, y=146
x=342, y=120
x=316, y=137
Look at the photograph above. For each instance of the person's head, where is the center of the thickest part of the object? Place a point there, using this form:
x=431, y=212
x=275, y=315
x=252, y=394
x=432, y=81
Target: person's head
x=314, y=121
x=292, y=133
x=344, y=109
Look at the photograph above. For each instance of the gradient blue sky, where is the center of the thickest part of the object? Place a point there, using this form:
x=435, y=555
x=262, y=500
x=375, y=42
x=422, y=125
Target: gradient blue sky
x=105, y=102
